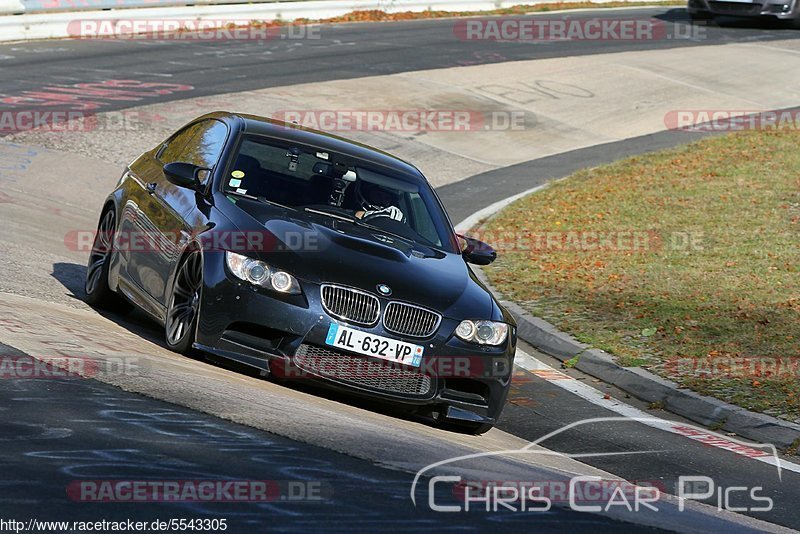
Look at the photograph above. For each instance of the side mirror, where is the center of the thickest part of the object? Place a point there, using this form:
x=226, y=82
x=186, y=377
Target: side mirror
x=185, y=175
x=475, y=251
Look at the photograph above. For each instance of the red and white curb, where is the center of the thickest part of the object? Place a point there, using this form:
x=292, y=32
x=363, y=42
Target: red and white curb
x=762, y=453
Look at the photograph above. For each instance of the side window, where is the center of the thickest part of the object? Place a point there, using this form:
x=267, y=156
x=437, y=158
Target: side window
x=200, y=144
x=174, y=149
x=421, y=219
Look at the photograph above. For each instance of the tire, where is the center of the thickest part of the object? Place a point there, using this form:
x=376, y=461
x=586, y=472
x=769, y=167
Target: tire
x=701, y=17
x=183, y=310
x=98, y=293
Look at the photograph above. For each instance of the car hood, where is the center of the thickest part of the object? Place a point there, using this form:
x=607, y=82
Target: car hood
x=320, y=249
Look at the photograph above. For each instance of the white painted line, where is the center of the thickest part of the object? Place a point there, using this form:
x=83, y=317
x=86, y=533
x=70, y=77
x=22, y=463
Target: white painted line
x=699, y=88
x=491, y=209
x=597, y=397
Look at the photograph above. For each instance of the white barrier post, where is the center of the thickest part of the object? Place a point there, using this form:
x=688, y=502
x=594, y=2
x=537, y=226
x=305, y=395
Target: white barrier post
x=11, y=7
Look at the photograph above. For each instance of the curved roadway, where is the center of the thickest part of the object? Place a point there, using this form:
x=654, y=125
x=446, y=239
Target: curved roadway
x=175, y=417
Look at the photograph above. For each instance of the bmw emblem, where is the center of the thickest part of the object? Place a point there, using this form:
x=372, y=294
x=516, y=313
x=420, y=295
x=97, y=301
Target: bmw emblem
x=384, y=290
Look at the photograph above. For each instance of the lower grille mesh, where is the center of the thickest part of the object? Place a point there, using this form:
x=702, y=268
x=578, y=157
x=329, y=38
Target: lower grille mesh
x=735, y=8
x=361, y=371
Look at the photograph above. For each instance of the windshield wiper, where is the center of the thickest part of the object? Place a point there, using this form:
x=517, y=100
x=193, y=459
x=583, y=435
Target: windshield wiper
x=359, y=222
x=260, y=199
x=407, y=239
x=329, y=214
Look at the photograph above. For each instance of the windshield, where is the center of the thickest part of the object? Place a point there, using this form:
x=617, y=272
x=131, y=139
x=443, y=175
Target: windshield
x=315, y=181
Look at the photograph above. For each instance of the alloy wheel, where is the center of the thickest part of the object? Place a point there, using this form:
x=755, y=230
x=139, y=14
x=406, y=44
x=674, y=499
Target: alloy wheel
x=101, y=252
x=185, y=301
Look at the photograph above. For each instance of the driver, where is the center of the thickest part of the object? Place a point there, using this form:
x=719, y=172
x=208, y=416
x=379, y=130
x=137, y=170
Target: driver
x=376, y=201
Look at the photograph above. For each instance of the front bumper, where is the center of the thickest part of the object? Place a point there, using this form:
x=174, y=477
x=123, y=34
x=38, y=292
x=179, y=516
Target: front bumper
x=781, y=9
x=285, y=335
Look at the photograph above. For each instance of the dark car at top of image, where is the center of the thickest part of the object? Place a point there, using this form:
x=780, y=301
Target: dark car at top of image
x=308, y=256
x=782, y=10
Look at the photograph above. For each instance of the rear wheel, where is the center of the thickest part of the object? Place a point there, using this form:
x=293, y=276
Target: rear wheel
x=184, y=304
x=98, y=292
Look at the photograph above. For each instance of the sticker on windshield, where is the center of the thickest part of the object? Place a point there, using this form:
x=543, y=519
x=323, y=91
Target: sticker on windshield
x=235, y=183
x=322, y=155
x=238, y=174
x=242, y=191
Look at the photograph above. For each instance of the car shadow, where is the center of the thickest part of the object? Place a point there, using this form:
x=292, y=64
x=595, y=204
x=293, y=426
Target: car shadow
x=72, y=277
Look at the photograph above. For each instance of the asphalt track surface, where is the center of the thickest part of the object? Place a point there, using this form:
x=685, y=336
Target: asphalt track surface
x=67, y=430
x=92, y=443
x=340, y=52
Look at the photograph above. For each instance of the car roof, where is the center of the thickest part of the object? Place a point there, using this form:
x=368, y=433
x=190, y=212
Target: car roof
x=258, y=125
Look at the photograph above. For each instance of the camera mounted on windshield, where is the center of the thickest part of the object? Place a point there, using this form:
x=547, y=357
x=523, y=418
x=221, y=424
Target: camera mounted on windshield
x=343, y=177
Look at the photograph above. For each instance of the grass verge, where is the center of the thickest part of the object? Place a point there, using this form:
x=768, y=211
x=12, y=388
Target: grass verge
x=684, y=262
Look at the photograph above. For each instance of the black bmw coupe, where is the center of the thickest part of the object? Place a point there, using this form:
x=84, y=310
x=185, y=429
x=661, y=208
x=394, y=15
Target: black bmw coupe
x=307, y=256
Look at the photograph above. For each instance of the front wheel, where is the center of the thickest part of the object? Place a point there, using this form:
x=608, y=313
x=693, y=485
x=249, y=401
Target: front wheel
x=98, y=292
x=184, y=304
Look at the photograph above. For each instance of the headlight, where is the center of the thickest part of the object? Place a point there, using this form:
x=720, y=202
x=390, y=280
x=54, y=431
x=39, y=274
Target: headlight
x=482, y=332
x=260, y=274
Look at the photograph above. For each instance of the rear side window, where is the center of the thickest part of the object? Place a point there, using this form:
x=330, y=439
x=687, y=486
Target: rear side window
x=200, y=144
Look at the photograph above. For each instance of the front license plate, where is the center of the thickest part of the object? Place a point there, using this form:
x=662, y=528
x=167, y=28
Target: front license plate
x=367, y=344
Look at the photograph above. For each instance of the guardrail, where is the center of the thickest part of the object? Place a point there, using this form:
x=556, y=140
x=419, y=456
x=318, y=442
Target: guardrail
x=51, y=18
x=17, y=7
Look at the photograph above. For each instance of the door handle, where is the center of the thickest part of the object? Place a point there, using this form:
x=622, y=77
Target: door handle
x=151, y=187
